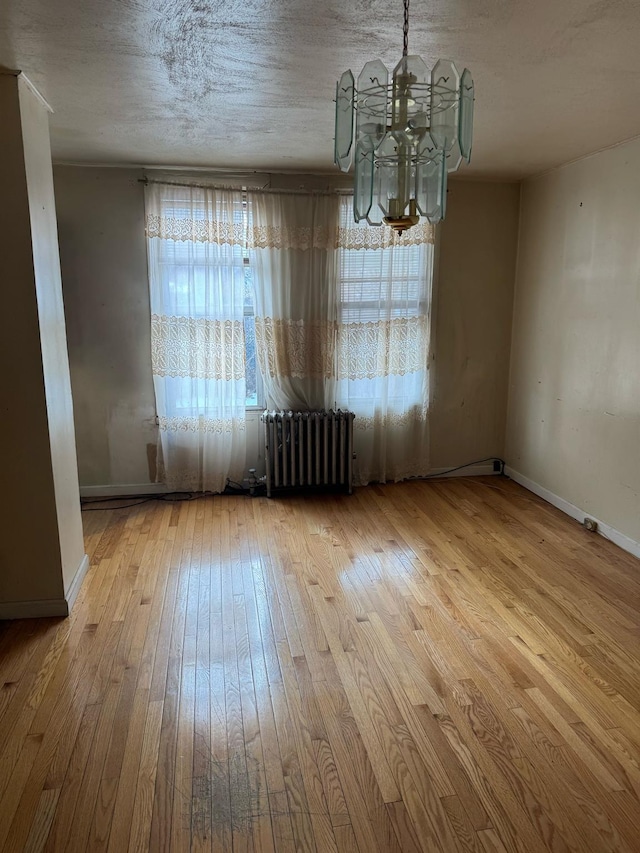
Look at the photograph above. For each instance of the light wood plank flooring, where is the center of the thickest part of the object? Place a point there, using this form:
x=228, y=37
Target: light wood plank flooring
x=431, y=666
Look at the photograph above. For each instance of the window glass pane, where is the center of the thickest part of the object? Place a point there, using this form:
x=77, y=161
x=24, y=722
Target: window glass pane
x=248, y=288
x=195, y=274
x=377, y=287
x=375, y=283
x=250, y=360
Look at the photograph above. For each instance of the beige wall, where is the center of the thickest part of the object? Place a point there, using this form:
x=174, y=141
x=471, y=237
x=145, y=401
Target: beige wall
x=104, y=266
x=41, y=548
x=100, y=215
x=472, y=327
x=574, y=404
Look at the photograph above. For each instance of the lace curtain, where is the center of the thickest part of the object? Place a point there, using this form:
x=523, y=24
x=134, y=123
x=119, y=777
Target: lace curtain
x=292, y=244
x=195, y=242
x=384, y=295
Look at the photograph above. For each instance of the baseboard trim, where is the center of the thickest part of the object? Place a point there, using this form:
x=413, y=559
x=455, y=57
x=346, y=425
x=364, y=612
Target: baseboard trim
x=76, y=583
x=38, y=609
x=621, y=539
x=125, y=491
x=134, y=489
x=42, y=608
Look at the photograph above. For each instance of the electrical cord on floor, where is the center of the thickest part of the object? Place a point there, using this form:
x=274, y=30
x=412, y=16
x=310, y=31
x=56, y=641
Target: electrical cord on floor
x=104, y=508
x=234, y=488
x=257, y=489
x=169, y=497
x=466, y=465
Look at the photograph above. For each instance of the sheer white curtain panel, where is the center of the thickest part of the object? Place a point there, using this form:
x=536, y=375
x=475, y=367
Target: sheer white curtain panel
x=292, y=240
x=196, y=242
x=384, y=297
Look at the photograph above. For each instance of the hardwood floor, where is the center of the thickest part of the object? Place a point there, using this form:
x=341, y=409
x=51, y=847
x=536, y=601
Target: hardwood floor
x=431, y=666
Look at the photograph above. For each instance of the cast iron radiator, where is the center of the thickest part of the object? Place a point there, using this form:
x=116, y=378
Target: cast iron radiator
x=308, y=449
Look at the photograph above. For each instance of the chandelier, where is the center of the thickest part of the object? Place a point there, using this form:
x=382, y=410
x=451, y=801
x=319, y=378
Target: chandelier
x=409, y=134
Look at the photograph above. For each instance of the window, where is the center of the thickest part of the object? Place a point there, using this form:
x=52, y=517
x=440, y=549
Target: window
x=383, y=311
x=188, y=271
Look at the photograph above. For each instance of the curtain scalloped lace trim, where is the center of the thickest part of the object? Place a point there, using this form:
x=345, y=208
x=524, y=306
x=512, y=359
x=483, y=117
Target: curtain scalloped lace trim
x=197, y=347
x=196, y=230
x=295, y=348
x=374, y=237
x=292, y=237
x=189, y=479
x=400, y=420
x=283, y=236
x=382, y=348
x=202, y=424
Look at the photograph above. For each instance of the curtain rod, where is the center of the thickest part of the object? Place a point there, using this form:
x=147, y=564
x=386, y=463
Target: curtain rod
x=267, y=190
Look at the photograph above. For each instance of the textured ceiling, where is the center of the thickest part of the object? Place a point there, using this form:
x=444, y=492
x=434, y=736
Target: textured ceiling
x=250, y=83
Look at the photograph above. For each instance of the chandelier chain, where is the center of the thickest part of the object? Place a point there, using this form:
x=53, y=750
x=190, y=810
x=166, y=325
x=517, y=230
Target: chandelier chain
x=405, y=29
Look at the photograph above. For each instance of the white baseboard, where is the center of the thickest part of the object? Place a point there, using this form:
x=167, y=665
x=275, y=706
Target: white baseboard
x=76, y=583
x=469, y=471
x=622, y=540
x=125, y=491
x=134, y=489
x=41, y=608
x=34, y=609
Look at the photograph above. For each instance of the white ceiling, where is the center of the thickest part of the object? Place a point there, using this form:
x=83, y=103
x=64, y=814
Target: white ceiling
x=250, y=83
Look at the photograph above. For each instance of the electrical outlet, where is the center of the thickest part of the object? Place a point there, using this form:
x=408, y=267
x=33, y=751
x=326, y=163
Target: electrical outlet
x=590, y=524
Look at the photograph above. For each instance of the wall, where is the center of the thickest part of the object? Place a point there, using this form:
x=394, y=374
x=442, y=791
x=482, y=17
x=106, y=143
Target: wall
x=53, y=340
x=41, y=549
x=104, y=266
x=104, y=262
x=574, y=403
x=472, y=328
x=101, y=213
